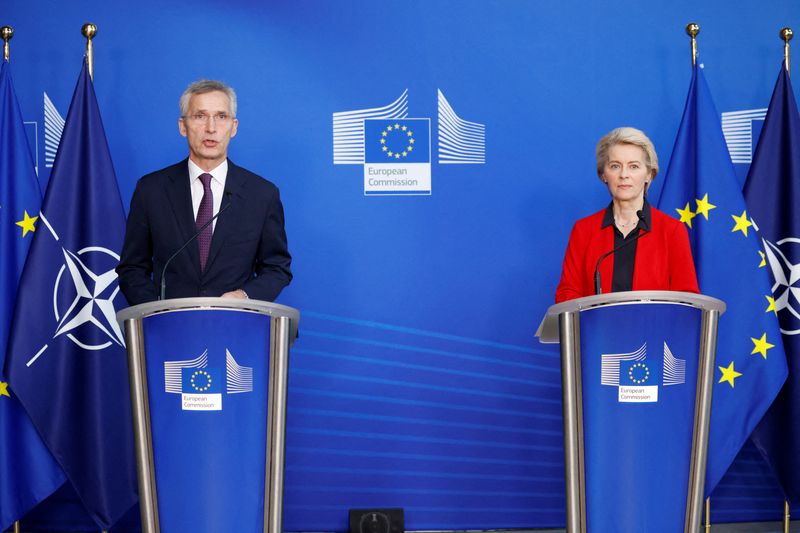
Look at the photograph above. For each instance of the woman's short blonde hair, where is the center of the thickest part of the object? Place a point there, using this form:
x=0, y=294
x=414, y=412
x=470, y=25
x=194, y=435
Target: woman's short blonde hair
x=627, y=135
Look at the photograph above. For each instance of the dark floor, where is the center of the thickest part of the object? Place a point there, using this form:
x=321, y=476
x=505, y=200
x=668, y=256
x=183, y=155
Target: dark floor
x=744, y=527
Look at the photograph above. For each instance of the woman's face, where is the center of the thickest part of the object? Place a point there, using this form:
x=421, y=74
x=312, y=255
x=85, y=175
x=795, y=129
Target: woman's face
x=625, y=172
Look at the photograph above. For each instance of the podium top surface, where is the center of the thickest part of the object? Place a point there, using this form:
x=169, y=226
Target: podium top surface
x=548, y=329
x=187, y=304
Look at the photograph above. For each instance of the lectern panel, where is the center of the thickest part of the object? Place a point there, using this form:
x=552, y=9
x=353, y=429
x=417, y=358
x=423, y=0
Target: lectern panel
x=207, y=373
x=639, y=367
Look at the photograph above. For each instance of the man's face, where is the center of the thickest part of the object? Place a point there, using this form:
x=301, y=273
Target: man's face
x=208, y=126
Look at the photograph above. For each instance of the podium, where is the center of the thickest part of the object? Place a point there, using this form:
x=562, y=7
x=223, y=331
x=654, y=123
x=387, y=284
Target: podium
x=208, y=379
x=637, y=371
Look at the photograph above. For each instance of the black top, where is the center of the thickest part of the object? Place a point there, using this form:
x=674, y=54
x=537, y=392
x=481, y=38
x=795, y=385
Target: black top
x=625, y=257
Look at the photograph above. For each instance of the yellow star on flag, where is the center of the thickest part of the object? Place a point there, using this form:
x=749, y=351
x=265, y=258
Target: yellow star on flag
x=741, y=223
x=761, y=346
x=397, y=126
x=4, y=389
x=27, y=223
x=686, y=214
x=704, y=206
x=383, y=133
x=771, y=306
x=405, y=128
x=763, y=262
x=729, y=374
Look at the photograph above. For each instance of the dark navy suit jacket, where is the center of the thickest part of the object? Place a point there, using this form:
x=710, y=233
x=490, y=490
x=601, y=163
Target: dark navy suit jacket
x=248, y=249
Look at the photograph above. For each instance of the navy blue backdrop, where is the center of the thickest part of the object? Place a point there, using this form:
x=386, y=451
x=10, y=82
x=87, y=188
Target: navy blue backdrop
x=417, y=382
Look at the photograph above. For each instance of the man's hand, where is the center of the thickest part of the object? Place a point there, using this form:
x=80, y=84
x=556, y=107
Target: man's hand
x=238, y=293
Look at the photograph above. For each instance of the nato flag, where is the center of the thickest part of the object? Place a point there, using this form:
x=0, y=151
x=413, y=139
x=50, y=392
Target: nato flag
x=66, y=355
x=701, y=188
x=772, y=191
x=28, y=472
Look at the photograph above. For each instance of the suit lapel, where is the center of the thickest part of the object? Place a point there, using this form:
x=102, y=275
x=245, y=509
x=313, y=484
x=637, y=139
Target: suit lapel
x=180, y=197
x=225, y=226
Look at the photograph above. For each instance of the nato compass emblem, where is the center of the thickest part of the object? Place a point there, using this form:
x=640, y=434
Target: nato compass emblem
x=635, y=377
x=83, y=297
x=786, y=286
x=201, y=386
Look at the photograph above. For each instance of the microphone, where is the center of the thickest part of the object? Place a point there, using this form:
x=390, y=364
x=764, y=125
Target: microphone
x=227, y=195
x=597, y=289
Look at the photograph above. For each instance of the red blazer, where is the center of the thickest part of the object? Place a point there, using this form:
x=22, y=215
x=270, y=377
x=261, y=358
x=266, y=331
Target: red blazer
x=663, y=258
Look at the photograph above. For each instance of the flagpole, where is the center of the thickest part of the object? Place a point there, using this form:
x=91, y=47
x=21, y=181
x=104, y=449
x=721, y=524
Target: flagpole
x=89, y=30
x=707, y=529
x=692, y=29
x=786, y=34
x=786, y=516
x=7, y=32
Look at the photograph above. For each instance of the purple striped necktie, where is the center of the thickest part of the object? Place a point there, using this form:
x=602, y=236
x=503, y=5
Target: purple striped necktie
x=204, y=214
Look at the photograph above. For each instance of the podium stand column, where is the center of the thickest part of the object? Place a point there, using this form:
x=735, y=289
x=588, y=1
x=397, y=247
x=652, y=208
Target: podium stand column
x=569, y=335
x=702, y=419
x=276, y=424
x=137, y=375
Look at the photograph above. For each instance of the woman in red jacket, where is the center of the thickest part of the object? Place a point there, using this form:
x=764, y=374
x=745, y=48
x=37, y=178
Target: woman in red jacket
x=659, y=259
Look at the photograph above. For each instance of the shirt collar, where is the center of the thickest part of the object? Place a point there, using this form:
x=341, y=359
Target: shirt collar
x=644, y=223
x=218, y=174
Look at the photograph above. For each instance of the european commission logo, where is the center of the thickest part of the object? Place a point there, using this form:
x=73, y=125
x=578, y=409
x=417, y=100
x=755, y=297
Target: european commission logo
x=395, y=150
x=741, y=130
x=397, y=157
x=201, y=387
x=637, y=377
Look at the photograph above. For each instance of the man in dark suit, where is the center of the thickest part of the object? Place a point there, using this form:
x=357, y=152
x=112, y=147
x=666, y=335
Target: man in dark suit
x=241, y=254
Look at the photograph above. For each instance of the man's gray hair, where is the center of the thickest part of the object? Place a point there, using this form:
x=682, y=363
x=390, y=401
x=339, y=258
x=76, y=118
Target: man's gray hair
x=207, y=86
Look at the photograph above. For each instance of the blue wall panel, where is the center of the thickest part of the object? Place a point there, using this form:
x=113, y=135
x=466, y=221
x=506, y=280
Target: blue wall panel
x=417, y=381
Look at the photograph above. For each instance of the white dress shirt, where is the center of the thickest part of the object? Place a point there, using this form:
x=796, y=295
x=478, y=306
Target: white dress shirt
x=218, y=176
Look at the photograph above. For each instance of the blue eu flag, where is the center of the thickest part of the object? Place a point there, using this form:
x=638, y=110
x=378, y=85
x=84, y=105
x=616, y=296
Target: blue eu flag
x=772, y=191
x=201, y=381
x=28, y=472
x=66, y=357
x=638, y=373
x=700, y=187
x=398, y=140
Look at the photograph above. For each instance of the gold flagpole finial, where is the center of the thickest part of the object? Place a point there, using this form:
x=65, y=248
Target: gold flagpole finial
x=692, y=29
x=786, y=34
x=707, y=528
x=7, y=32
x=89, y=30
